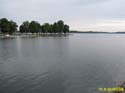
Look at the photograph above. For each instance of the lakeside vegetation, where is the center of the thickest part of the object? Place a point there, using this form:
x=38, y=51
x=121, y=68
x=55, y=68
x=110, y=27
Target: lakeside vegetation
x=10, y=27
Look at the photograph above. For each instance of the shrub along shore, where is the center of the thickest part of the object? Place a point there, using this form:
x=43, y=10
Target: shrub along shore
x=33, y=27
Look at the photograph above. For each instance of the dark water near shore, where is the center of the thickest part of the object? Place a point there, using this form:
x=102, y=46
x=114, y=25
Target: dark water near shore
x=78, y=63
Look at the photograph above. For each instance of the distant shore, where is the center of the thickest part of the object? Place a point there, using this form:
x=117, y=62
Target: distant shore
x=96, y=32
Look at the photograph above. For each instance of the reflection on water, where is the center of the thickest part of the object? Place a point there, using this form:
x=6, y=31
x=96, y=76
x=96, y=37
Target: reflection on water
x=78, y=63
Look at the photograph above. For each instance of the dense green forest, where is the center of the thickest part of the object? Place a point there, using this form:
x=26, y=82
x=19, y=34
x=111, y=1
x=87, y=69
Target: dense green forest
x=10, y=27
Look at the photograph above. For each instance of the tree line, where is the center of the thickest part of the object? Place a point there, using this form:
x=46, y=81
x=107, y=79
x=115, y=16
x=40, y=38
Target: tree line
x=7, y=26
x=10, y=27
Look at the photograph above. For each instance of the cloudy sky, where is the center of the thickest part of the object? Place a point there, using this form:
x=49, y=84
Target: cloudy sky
x=99, y=15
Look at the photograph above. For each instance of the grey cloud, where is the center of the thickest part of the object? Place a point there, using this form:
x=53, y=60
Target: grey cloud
x=78, y=13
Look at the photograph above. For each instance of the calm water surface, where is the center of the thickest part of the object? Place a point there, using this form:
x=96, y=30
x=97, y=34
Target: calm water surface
x=78, y=63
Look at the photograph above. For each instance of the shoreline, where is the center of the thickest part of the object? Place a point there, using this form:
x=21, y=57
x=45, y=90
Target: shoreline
x=52, y=34
x=32, y=35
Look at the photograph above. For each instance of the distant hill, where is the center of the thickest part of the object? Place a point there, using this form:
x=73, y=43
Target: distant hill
x=97, y=32
x=120, y=32
x=88, y=32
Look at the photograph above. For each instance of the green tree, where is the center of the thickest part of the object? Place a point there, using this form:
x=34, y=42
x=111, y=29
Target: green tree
x=13, y=27
x=66, y=29
x=24, y=28
x=51, y=28
x=42, y=29
x=61, y=26
x=21, y=29
x=55, y=28
x=46, y=28
x=7, y=27
x=4, y=25
x=34, y=27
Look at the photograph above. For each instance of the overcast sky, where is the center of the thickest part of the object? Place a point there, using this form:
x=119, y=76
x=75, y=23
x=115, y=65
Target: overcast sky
x=99, y=15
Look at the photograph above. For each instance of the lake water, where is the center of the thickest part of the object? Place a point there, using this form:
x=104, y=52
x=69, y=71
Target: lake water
x=78, y=63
